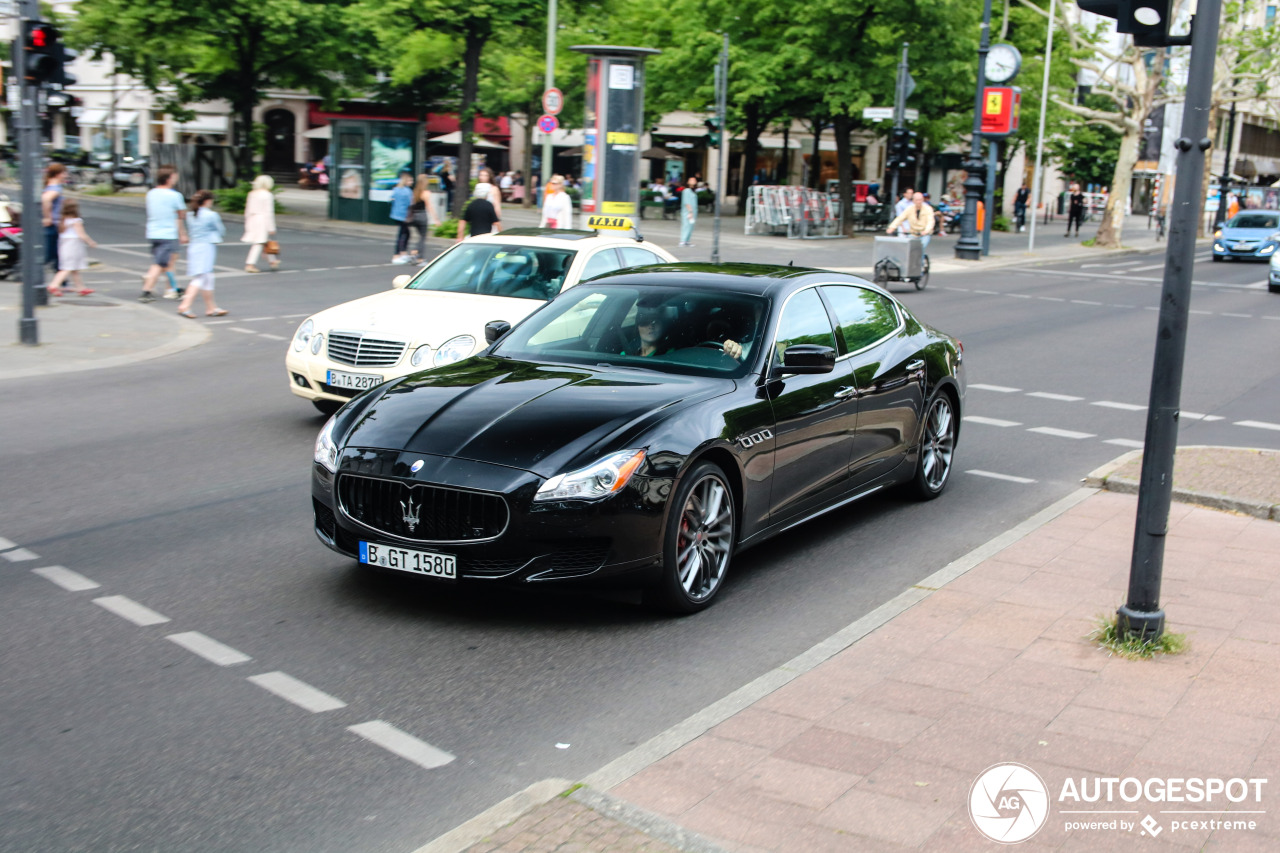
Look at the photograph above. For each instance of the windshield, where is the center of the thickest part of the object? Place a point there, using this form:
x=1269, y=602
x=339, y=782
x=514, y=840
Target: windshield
x=667, y=329
x=1254, y=220
x=495, y=269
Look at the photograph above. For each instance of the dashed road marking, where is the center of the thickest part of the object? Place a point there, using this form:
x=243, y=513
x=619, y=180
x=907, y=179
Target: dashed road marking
x=994, y=476
x=1084, y=302
x=298, y=692
x=1198, y=311
x=20, y=555
x=402, y=744
x=1242, y=316
x=256, y=319
x=1062, y=433
x=1158, y=266
x=1125, y=442
x=242, y=331
x=1196, y=416
x=979, y=419
x=1051, y=298
x=219, y=322
x=208, y=648
x=1254, y=424
x=999, y=389
x=1045, y=395
x=988, y=292
x=6, y=544
x=272, y=337
x=65, y=578
x=127, y=608
x=1109, y=404
x=293, y=316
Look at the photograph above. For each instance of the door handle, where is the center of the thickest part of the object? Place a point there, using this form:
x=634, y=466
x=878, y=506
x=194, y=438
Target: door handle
x=845, y=392
x=918, y=364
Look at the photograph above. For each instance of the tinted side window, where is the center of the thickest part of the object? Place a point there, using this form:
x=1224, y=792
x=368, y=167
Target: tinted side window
x=804, y=321
x=863, y=316
x=600, y=263
x=633, y=256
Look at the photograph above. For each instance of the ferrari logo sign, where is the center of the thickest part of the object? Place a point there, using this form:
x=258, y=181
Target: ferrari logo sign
x=609, y=223
x=1000, y=107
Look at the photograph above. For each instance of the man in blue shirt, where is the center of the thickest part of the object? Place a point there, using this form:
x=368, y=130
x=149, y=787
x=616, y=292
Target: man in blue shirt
x=401, y=200
x=165, y=228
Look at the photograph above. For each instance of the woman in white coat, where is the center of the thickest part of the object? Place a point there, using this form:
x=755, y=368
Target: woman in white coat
x=259, y=222
x=557, y=208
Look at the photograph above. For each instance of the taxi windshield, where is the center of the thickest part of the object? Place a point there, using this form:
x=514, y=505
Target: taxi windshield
x=497, y=269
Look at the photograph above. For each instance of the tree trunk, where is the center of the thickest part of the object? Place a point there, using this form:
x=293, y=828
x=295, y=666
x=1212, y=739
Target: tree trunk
x=1112, y=226
x=784, y=173
x=841, y=125
x=470, y=85
x=750, y=146
x=815, y=159
x=527, y=164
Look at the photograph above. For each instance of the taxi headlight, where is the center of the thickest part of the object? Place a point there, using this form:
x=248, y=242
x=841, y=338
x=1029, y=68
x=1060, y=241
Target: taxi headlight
x=303, y=335
x=454, y=349
x=420, y=355
x=317, y=341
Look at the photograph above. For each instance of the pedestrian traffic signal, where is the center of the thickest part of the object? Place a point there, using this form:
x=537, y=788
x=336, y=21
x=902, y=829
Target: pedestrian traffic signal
x=1147, y=20
x=713, y=132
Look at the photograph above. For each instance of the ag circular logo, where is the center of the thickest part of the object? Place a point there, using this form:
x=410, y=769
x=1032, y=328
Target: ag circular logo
x=1008, y=803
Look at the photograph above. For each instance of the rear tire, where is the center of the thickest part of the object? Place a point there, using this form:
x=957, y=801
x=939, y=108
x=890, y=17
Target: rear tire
x=698, y=542
x=923, y=281
x=1273, y=288
x=937, y=448
x=327, y=407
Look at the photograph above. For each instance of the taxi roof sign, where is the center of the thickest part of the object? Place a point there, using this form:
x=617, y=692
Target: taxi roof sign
x=610, y=223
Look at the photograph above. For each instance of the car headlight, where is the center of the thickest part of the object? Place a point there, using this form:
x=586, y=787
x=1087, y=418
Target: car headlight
x=1267, y=249
x=604, y=478
x=317, y=341
x=454, y=349
x=326, y=450
x=1217, y=235
x=420, y=355
x=303, y=336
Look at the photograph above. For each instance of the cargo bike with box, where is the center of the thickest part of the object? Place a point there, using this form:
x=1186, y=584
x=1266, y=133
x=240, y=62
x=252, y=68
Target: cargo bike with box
x=900, y=259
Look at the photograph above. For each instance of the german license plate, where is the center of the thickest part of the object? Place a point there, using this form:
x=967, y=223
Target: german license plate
x=426, y=563
x=358, y=381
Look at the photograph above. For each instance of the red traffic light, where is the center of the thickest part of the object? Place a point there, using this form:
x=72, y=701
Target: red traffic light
x=39, y=38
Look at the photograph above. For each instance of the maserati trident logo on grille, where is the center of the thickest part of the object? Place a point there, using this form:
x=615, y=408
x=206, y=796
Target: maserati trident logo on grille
x=411, y=513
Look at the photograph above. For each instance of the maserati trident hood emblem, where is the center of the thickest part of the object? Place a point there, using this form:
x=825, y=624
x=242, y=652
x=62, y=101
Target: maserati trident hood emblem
x=411, y=513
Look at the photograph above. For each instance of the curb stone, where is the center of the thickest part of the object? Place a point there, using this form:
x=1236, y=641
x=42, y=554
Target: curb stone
x=495, y=817
x=652, y=825
x=1105, y=477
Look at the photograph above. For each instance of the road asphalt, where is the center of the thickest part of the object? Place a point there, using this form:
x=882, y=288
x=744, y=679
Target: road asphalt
x=873, y=739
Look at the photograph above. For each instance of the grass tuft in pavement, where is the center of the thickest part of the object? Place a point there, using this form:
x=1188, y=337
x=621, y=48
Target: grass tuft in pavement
x=1132, y=647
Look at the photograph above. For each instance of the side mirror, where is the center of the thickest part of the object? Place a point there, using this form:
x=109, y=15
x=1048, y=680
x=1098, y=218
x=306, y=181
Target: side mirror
x=495, y=329
x=400, y=281
x=808, y=358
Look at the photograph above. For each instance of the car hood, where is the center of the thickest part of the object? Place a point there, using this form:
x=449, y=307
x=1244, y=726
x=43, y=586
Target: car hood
x=1247, y=233
x=536, y=417
x=423, y=316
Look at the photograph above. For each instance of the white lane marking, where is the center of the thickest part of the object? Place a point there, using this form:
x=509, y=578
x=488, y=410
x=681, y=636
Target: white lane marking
x=1084, y=302
x=293, y=316
x=242, y=331
x=1243, y=316
x=1158, y=266
x=286, y=272
x=1255, y=424
x=208, y=648
x=1269, y=317
x=1150, y=308
x=978, y=419
x=127, y=608
x=1066, y=398
x=1118, y=305
x=1197, y=416
x=1125, y=263
x=994, y=476
x=1061, y=433
x=402, y=744
x=65, y=578
x=272, y=337
x=1001, y=389
x=1197, y=311
x=988, y=292
x=298, y=692
x=1019, y=295
x=19, y=555
x=1051, y=298
x=256, y=319
x=1108, y=404
x=6, y=544
x=218, y=322
x=1125, y=442
x=316, y=269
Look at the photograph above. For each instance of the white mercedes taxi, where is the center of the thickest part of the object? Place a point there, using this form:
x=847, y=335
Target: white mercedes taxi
x=437, y=316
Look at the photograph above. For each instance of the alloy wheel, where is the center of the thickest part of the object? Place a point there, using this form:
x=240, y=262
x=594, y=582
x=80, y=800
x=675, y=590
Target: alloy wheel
x=938, y=445
x=705, y=539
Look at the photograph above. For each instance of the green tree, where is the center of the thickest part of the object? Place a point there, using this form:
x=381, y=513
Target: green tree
x=188, y=51
x=1086, y=153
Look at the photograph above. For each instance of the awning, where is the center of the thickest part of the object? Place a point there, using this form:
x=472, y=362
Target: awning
x=660, y=154
x=203, y=124
x=102, y=118
x=455, y=138
x=325, y=132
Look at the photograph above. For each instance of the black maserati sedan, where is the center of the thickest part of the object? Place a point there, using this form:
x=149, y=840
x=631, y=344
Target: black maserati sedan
x=641, y=428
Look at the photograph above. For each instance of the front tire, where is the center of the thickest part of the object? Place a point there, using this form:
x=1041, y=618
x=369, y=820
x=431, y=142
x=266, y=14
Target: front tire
x=1217, y=259
x=698, y=542
x=937, y=448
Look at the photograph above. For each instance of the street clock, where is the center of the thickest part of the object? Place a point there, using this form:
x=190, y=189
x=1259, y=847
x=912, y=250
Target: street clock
x=1003, y=63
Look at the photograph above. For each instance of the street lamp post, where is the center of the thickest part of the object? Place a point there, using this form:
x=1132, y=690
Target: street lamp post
x=1224, y=183
x=1037, y=180
x=969, y=246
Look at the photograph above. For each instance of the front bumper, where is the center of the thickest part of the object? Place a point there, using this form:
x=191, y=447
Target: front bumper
x=308, y=375
x=1261, y=252
x=617, y=539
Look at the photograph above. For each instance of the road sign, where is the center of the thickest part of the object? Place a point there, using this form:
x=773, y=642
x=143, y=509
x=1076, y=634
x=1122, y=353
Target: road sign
x=609, y=223
x=911, y=114
x=546, y=124
x=552, y=101
x=874, y=113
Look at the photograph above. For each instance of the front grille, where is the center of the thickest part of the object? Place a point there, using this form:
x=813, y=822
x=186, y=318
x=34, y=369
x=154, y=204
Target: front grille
x=359, y=351
x=325, y=521
x=491, y=568
x=436, y=514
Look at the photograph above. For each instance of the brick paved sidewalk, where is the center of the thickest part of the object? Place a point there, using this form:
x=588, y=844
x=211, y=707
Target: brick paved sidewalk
x=877, y=747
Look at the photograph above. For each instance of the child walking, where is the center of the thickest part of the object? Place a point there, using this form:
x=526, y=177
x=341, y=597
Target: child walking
x=204, y=233
x=72, y=256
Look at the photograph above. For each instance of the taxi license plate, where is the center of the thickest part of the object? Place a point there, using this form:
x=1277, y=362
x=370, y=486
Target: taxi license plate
x=426, y=563
x=358, y=381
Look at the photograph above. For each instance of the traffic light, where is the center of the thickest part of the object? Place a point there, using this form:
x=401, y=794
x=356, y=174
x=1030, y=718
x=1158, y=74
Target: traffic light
x=902, y=148
x=46, y=58
x=713, y=131
x=1146, y=20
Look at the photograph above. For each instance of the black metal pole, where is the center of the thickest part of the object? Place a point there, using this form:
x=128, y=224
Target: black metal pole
x=969, y=246
x=1224, y=183
x=32, y=250
x=1142, y=614
x=721, y=176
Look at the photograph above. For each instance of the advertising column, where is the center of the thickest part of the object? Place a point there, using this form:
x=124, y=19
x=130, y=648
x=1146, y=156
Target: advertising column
x=613, y=125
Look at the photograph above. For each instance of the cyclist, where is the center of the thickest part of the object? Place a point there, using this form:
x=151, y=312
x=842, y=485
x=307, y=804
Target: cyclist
x=918, y=219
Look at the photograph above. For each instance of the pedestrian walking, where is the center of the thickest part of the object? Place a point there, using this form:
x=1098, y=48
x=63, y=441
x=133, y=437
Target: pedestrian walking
x=478, y=217
x=1075, y=209
x=688, y=211
x=557, y=207
x=1020, y=206
x=916, y=220
x=206, y=232
x=166, y=231
x=51, y=211
x=485, y=176
x=72, y=255
x=420, y=216
x=259, y=222
x=401, y=201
